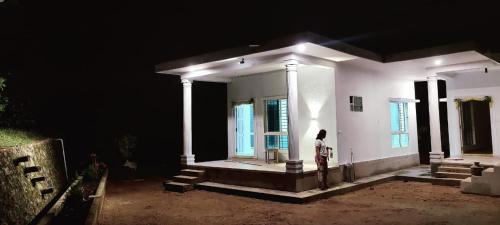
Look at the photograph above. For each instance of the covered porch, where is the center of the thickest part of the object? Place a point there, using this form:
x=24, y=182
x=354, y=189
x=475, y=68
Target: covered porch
x=279, y=96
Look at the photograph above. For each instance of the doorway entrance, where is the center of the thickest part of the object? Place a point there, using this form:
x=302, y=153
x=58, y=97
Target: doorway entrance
x=245, y=144
x=475, y=124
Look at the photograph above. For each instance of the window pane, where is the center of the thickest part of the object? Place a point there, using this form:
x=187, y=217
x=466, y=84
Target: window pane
x=272, y=115
x=404, y=140
x=272, y=141
x=406, y=116
x=283, y=115
x=283, y=142
x=394, y=117
x=395, y=141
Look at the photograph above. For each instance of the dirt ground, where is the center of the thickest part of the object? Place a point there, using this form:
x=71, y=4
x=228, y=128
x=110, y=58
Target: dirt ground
x=396, y=202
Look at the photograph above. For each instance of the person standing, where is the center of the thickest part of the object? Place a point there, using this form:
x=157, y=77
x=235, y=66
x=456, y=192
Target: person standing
x=321, y=159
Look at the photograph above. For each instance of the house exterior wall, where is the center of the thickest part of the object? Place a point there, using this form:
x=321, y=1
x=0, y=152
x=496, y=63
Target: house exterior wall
x=324, y=104
x=367, y=134
x=473, y=84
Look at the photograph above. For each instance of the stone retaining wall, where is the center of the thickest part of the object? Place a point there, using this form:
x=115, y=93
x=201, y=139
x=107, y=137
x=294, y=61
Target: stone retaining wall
x=28, y=184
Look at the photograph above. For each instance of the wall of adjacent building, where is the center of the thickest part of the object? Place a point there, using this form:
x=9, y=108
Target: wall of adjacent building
x=473, y=84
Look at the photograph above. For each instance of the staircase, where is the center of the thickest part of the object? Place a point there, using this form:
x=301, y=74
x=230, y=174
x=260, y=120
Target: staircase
x=185, y=181
x=487, y=184
x=451, y=174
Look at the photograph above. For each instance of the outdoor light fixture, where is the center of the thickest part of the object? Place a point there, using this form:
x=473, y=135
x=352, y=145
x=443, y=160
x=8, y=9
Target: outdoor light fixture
x=438, y=62
x=301, y=47
x=485, y=69
x=242, y=60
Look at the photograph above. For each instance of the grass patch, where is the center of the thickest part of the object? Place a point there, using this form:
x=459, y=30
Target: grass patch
x=11, y=137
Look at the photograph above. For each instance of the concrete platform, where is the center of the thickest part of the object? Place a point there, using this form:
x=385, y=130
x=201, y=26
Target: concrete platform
x=294, y=197
x=468, y=160
x=258, y=174
x=252, y=165
x=419, y=174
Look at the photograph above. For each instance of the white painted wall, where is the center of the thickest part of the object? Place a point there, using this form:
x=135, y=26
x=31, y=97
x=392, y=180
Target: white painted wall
x=316, y=109
x=368, y=133
x=327, y=91
x=473, y=84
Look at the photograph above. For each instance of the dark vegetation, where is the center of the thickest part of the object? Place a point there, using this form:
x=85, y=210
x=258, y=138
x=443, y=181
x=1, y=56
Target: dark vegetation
x=79, y=199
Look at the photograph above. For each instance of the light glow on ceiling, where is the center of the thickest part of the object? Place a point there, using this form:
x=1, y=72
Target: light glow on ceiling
x=438, y=62
x=301, y=47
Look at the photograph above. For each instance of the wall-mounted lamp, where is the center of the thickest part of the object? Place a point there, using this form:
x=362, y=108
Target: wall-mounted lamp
x=485, y=69
x=242, y=61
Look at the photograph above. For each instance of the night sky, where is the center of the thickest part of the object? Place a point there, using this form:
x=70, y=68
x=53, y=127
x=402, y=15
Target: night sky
x=85, y=71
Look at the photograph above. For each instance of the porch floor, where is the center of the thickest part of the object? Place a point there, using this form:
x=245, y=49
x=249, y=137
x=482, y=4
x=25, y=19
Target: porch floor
x=487, y=160
x=254, y=165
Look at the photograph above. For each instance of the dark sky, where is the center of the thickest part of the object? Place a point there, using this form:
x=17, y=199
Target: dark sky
x=146, y=32
x=84, y=71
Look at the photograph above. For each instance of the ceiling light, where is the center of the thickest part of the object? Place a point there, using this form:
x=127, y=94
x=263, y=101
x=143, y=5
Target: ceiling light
x=301, y=47
x=438, y=62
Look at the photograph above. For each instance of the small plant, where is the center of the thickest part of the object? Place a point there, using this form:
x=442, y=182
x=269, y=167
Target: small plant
x=3, y=99
x=126, y=145
x=94, y=170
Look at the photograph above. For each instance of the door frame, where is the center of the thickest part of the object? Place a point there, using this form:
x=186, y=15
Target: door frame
x=233, y=107
x=461, y=121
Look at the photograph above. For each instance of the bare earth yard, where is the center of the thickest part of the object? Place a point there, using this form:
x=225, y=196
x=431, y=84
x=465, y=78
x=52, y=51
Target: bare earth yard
x=394, y=202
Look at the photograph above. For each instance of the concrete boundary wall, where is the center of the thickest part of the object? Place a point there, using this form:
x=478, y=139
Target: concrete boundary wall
x=31, y=176
x=378, y=166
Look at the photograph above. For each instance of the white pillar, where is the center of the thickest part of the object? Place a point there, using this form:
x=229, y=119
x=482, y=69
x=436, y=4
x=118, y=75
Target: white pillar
x=294, y=164
x=436, y=154
x=187, y=156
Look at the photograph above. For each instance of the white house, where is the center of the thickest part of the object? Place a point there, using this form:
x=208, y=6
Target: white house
x=282, y=92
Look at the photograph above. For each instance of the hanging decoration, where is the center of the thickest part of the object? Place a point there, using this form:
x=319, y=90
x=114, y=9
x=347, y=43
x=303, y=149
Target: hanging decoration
x=487, y=99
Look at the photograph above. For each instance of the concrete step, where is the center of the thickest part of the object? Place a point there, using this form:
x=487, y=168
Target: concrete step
x=192, y=172
x=452, y=175
x=177, y=187
x=447, y=182
x=457, y=165
x=260, y=193
x=454, y=169
x=186, y=179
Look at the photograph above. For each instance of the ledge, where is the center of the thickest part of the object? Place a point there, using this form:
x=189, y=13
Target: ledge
x=98, y=202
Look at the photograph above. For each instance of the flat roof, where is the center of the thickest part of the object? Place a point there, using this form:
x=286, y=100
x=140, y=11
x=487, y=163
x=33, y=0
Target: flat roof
x=313, y=38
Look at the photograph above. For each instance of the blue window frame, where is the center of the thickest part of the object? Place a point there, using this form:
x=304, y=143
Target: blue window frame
x=399, y=124
x=276, y=124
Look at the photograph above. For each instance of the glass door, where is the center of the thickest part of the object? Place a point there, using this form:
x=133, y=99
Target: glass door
x=244, y=130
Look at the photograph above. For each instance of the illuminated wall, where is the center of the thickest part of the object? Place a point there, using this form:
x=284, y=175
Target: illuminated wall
x=317, y=109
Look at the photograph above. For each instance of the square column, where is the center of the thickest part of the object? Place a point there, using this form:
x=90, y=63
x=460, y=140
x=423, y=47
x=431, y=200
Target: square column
x=187, y=157
x=293, y=165
x=436, y=155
